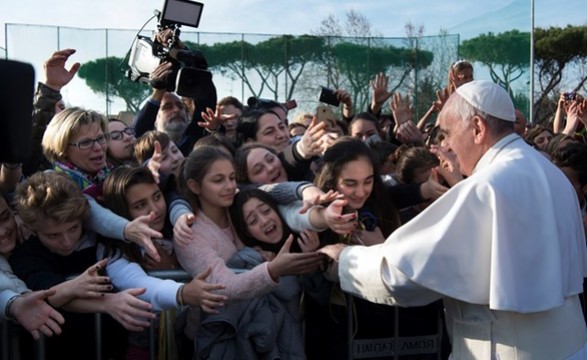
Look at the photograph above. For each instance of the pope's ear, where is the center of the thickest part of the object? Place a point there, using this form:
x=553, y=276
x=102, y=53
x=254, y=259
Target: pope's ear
x=480, y=128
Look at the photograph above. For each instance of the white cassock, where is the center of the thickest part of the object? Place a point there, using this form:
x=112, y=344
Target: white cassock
x=504, y=249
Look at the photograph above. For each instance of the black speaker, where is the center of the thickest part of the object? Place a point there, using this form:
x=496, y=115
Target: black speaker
x=17, y=82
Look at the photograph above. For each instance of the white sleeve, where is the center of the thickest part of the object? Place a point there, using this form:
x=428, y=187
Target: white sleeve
x=104, y=222
x=365, y=272
x=162, y=294
x=296, y=221
x=9, y=281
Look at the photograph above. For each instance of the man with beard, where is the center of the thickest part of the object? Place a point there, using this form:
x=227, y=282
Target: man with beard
x=172, y=118
x=164, y=111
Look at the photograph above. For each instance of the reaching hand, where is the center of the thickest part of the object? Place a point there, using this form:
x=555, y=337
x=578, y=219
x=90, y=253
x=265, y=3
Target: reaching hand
x=432, y=189
x=338, y=222
x=89, y=284
x=56, y=76
x=333, y=251
x=313, y=196
x=310, y=144
x=35, y=315
x=573, y=118
x=308, y=241
x=449, y=166
x=347, y=102
x=133, y=313
x=408, y=132
x=165, y=35
x=213, y=119
x=441, y=97
x=139, y=232
x=286, y=263
x=154, y=163
x=401, y=108
x=200, y=293
x=157, y=77
x=380, y=93
x=182, y=230
x=583, y=110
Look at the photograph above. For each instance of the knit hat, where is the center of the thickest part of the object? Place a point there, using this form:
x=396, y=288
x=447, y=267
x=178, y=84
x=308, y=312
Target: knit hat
x=488, y=97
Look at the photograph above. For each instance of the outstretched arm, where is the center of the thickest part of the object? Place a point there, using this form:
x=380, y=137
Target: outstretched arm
x=35, y=315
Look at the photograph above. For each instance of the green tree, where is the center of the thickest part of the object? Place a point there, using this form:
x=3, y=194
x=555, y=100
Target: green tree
x=357, y=52
x=423, y=83
x=357, y=64
x=507, y=55
x=263, y=66
x=105, y=77
x=558, y=51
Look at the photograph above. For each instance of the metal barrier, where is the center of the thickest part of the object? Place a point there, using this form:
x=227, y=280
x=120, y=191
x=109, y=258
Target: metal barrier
x=392, y=347
x=358, y=349
x=8, y=350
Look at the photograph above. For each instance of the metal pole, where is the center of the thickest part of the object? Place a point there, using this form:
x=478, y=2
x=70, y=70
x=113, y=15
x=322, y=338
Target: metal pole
x=4, y=341
x=243, y=66
x=531, y=107
x=106, y=77
x=350, y=338
x=6, y=40
x=39, y=348
x=98, y=334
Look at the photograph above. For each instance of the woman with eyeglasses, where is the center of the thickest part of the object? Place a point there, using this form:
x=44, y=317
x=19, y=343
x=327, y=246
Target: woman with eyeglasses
x=76, y=144
x=121, y=145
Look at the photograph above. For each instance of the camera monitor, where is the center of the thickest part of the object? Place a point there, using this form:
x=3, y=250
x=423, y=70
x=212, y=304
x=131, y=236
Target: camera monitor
x=183, y=12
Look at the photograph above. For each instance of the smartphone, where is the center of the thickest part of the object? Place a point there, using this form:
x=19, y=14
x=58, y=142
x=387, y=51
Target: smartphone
x=328, y=96
x=291, y=104
x=323, y=113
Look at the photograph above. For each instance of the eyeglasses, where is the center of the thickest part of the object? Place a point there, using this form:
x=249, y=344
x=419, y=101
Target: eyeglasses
x=118, y=134
x=88, y=144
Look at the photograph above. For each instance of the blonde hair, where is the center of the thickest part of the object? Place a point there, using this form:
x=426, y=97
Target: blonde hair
x=50, y=196
x=300, y=117
x=64, y=126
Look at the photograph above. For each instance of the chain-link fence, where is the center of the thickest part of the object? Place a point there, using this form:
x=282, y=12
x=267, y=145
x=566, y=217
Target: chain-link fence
x=279, y=67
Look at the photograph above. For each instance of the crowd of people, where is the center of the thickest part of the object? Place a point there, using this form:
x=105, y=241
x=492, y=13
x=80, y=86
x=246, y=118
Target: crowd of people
x=301, y=235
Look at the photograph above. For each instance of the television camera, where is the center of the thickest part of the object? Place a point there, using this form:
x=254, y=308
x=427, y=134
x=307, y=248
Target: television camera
x=190, y=76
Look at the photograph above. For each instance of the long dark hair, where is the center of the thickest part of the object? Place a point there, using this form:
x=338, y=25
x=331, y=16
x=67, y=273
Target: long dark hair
x=247, y=125
x=114, y=190
x=237, y=217
x=343, y=151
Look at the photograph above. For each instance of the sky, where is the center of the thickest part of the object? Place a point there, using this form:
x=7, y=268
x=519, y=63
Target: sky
x=388, y=17
x=285, y=16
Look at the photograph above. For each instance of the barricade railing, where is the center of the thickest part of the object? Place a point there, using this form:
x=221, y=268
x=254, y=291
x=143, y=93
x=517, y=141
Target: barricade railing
x=358, y=349
x=392, y=347
x=10, y=351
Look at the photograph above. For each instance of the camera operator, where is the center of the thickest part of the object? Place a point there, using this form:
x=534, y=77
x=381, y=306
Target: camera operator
x=164, y=111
